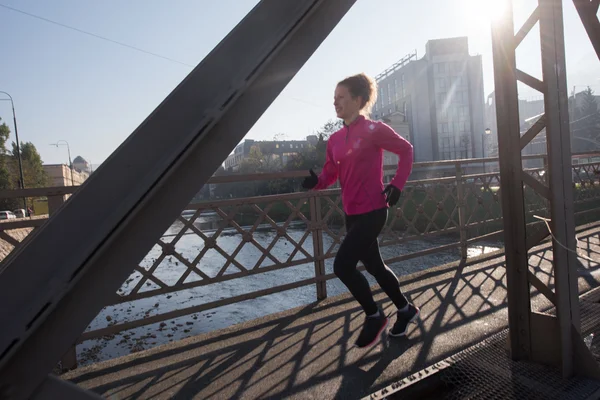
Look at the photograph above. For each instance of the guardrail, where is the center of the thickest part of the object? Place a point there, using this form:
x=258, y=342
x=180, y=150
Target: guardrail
x=231, y=239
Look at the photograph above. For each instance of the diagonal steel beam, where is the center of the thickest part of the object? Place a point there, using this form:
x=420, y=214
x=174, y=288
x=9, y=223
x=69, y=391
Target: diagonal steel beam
x=531, y=81
x=535, y=129
x=588, y=11
x=82, y=255
x=536, y=185
x=527, y=26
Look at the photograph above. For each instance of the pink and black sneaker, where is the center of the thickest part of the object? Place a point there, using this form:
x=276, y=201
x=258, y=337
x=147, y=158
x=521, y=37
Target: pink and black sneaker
x=372, y=330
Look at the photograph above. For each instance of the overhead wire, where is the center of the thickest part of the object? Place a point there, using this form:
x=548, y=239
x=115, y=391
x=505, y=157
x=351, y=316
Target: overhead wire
x=131, y=47
x=94, y=35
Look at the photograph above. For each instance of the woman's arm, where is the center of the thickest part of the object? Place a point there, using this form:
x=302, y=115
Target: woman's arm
x=387, y=139
x=329, y=174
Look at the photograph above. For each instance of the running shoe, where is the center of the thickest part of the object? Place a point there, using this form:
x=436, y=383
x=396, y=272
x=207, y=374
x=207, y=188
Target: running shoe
x=403, y=319
x=372, y=330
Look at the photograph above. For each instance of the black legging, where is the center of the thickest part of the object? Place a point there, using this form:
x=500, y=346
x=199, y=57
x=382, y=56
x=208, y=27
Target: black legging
x=360, y=244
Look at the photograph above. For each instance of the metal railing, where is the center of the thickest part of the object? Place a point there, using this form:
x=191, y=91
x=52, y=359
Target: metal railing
x=222, y=240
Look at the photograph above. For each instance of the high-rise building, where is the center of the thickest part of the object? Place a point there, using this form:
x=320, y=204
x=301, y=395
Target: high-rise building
x=439, y=97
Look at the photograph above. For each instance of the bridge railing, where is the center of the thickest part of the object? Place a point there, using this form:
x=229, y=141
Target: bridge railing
x=224, y=251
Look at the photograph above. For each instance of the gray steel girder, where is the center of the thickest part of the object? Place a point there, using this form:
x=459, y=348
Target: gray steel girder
x=52, y=287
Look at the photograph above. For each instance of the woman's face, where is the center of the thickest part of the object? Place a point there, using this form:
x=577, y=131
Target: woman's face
x=345, y=105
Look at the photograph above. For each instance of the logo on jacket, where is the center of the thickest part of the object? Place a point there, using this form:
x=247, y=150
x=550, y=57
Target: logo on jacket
x=372, y=127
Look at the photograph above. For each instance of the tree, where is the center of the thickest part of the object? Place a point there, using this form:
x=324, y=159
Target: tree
x=6, y=181
x=585, y=128
x=33, y=170
x=589, y=106
x=329, y=128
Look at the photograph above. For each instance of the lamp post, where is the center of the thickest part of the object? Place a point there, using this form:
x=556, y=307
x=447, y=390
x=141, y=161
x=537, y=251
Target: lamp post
x=487, y=131
x=22, y=180
x=69, y=152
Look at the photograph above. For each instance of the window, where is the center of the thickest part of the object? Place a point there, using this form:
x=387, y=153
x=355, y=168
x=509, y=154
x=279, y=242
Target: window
x=460, y=97
x=456, y=67
x=441, y=99
x=464, y=112
x=403, y=86
x=443, y=114
x=441, y=84
x=440, y=68
x=277, y=145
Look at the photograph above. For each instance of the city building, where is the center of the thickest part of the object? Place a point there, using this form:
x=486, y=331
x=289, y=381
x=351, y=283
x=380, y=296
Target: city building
x=282, y=150
x=440, y=99
x=81, y=165
x=60, y=175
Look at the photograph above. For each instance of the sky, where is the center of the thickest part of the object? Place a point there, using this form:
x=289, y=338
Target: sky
x=93, y=93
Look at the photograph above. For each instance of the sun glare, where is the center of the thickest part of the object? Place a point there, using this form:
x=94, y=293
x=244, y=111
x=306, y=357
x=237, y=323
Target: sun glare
x=483, y=12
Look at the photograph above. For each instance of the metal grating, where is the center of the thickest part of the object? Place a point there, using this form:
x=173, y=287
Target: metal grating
x=485, y=371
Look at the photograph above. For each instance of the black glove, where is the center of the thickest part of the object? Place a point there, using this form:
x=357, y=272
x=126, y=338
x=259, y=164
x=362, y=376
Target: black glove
x=392, y=194
x=310, y=181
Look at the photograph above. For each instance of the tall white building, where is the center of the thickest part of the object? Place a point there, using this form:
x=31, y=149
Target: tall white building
x=440, y=96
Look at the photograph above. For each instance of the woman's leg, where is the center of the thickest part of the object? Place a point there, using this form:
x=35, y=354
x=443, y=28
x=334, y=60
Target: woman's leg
x=385, y=277
x=407, y=313
x=355, y=245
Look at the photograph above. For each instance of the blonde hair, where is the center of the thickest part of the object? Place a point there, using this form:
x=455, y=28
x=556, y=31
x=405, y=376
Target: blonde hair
x=364, y=86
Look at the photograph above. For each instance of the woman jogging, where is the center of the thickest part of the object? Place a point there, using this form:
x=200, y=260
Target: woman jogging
x=355, y=155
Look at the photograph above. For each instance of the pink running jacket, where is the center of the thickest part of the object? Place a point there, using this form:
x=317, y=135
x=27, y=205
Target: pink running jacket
x=355, y=155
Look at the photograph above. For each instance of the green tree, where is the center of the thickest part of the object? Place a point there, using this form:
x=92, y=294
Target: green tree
x=33, y=170
x=6, y=180
x=329, y=128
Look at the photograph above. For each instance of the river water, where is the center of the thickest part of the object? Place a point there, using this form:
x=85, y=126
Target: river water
x=170, y=270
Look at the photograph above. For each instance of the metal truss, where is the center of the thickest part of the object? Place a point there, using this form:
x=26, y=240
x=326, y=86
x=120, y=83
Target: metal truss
x=535, y=336
x=55, y=284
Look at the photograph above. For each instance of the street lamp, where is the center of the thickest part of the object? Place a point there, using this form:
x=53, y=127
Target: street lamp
x=487, y=132
x=61, y=142
x=22, y=180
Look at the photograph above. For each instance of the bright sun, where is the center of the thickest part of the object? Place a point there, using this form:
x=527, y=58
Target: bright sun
x=483, y=12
